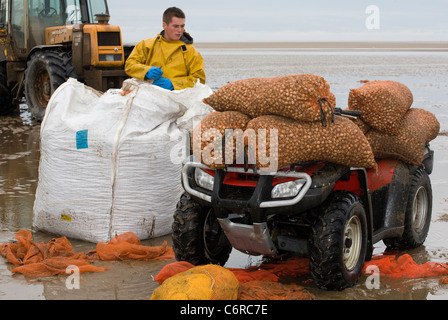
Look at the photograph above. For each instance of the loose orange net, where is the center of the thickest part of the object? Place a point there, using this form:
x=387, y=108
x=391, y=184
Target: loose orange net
x=403, y=266
x=127, y=246
x=294, y=267
x=53, y=257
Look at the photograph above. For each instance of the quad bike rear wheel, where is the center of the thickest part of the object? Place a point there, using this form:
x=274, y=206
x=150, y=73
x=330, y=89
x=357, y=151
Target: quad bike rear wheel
x=338, y=244
x=418, y=214
x=45, y=72
x=197, y=235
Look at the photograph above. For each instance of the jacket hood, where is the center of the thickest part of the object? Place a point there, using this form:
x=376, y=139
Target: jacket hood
x=186, y=38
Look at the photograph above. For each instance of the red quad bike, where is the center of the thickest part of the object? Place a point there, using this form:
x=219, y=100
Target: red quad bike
x=330, y=212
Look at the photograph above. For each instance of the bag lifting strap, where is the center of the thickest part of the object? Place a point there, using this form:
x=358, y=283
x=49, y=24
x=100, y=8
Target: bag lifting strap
x=323, y=118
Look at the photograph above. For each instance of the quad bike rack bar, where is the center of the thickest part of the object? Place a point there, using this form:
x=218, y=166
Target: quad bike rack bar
x=186, y=183
x=306, y=184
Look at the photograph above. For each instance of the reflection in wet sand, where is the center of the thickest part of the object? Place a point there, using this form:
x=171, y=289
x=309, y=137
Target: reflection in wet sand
x=19, y=162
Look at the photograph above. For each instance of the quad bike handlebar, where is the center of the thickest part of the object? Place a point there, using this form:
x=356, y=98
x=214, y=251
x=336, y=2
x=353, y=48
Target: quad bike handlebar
x=347, y=113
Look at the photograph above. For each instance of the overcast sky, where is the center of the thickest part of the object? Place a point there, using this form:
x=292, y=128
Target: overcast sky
x=289, y=20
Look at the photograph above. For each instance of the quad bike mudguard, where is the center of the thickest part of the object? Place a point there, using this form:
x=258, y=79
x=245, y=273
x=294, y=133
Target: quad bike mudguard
x=388, y=186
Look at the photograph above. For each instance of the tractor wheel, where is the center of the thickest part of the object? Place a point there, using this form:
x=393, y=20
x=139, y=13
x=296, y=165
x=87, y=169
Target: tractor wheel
x=45, y=72
x=197, y=236
x=417, y=216
x=6, y=104
x=338, y=244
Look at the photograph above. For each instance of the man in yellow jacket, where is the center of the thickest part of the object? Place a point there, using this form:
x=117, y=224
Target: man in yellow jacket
x=170, y=59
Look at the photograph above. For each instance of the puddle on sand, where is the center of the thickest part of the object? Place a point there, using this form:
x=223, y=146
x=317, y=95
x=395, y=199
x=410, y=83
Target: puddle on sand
x=19, y=162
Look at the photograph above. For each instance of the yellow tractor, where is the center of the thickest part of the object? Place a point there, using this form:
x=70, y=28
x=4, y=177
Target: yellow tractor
x=45, y=42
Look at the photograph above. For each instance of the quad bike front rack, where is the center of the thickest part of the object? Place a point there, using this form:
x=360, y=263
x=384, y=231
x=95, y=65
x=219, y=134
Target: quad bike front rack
x=249, y=238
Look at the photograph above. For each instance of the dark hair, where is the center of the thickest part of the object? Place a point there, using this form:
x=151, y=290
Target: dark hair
x=172, y=12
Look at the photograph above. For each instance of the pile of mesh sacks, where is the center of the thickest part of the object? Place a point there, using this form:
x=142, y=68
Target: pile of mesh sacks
x=392, y=127
x=275, y=122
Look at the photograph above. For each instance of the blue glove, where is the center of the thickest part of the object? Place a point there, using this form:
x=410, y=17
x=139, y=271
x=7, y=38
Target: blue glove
x=164, y=83
x=154, y=73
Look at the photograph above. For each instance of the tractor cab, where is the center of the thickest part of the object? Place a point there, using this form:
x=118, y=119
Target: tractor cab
x=45, y=42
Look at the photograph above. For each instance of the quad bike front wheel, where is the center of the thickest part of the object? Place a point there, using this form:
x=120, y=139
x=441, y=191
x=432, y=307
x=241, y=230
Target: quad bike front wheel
x=338, y=244
x=418, y=214
x=197, y=235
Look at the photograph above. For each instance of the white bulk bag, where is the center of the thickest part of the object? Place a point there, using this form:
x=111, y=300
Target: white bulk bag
x=107, y=164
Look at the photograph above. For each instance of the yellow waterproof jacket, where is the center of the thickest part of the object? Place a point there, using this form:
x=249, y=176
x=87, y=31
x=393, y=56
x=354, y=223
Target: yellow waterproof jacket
x=181, y=62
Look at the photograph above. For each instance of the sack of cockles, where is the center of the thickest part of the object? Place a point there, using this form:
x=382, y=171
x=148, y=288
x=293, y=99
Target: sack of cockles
x=303, y=97
x=291, y=119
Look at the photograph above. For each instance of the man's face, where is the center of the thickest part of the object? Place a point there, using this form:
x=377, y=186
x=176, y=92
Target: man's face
x=175, y=29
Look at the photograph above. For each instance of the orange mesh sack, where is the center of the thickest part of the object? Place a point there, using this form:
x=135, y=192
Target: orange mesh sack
x=403, y=266
x=361, y=124
x=303, y=97
x=127, y=246
x=419, y=127
x=383, y=104
x=208, y=136
x=209, y=282
x=282, y=141
x=45, y=258
x=53, y=257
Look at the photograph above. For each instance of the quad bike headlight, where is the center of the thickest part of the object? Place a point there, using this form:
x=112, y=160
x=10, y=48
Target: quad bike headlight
x=287, y=189
x=203, y=179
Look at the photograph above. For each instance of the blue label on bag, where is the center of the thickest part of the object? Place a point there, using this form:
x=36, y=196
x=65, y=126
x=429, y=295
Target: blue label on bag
x=81, y=140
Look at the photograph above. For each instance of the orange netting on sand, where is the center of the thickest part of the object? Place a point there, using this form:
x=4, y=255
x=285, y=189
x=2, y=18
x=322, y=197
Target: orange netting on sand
x=53, y=257
x=127, y=246
x=294, y=267
x=266, y=290
x=403, y=266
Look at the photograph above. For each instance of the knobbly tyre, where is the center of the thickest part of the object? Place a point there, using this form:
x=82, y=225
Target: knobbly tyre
x=332, y=213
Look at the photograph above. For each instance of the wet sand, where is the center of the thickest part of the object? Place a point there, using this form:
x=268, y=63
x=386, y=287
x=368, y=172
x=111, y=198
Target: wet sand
x=395, y=46
x=423, y=72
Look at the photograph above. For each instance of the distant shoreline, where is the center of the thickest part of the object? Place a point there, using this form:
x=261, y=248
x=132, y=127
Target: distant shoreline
x=380, y=46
